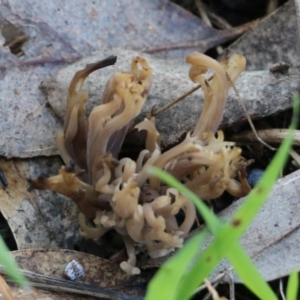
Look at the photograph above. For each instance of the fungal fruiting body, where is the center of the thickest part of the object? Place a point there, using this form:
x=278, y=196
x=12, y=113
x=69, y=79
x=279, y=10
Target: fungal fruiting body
x=119, y=194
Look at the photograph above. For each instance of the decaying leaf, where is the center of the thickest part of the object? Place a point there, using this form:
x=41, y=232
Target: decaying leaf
x=274, y=40
x=101, y=276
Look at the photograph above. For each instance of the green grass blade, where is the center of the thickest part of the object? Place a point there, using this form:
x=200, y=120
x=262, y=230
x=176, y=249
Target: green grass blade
x=10, y=265
x=292, y=287
x=250, y=276
x=230, y=233
x=165, y=282
x=227, y=236
x=202, y=268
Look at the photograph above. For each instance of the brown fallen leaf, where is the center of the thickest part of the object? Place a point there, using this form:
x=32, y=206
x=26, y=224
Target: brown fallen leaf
x=45, y=268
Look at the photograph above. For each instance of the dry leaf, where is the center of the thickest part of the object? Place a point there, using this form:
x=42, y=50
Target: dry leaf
x=274, y=40
x=89, y=26
x=100, y=274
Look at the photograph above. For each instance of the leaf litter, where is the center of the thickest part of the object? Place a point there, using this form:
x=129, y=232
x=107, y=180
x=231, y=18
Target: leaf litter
x=22, y=139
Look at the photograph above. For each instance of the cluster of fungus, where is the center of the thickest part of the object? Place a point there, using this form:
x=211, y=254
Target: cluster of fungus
x=120, y=194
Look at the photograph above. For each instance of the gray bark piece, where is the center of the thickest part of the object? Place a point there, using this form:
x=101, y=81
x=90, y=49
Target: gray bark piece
x=28, y=126
x=274, y=40
x=263, y=93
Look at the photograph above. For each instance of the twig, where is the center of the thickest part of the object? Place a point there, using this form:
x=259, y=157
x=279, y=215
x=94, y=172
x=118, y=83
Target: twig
x=296, y=157
x=202, y=9
x=225, y=35
x=167, y=106
x=202, y=12
x=281, y=290
x=247, y=115
x=5, y=290
x=273, y=136
x=216, y=281
x=231, y=285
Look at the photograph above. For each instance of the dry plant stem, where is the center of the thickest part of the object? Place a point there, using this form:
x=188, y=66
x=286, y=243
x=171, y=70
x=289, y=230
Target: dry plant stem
x=273, y=136
x=295, y=156
x=173, y=102
x=203, y=12
x=247, y=115
x=212, y=291
x=281, y=290
x=215, y=281
x=231, y=285
x=228, y=35
x=5, y=290
x=218, y=21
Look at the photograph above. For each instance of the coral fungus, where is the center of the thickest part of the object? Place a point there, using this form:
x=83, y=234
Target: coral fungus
x=119, y=194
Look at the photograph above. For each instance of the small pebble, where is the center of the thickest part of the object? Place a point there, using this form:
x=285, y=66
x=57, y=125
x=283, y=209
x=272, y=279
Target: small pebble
x=254, y=176
x=73, y=270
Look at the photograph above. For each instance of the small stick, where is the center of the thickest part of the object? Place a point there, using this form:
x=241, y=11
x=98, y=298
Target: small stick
x=5, y=291
x=281, y=290
x=227, y=35
x=273, y=136
x=202, y=12
x=204, y=16
x=167, y=106
x=247, y=115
